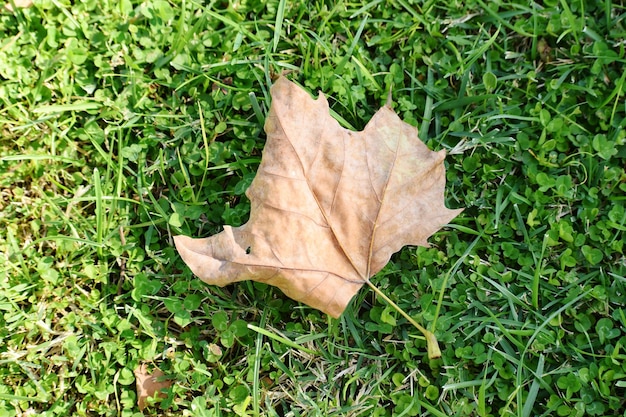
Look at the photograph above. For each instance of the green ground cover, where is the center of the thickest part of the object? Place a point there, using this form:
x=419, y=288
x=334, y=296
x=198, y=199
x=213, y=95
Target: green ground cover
x=124, y=123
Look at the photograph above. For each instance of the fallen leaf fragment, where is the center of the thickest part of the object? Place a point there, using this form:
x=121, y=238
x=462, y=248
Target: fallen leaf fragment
x=20, y=4
x=329, y=206
x=150, y=384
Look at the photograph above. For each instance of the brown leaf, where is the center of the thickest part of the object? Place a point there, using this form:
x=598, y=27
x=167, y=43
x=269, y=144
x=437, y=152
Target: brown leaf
x=329, y=206
x=150, y=384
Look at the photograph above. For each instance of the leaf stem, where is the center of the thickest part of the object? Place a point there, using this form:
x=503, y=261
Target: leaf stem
x=431, y=341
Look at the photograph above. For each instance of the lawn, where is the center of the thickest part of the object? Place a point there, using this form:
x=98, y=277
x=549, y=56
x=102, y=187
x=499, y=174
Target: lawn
x=125, y=123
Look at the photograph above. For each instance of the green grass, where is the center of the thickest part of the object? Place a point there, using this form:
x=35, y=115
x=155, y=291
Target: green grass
x=123, y=123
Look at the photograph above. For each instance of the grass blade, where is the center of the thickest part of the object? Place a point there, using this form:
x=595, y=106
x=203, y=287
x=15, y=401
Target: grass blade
x=278, y=27
x=281, y=339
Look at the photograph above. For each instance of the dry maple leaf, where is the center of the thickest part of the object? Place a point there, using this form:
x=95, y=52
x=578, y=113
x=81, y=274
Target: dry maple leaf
x=329, y=206
x=149, y=384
